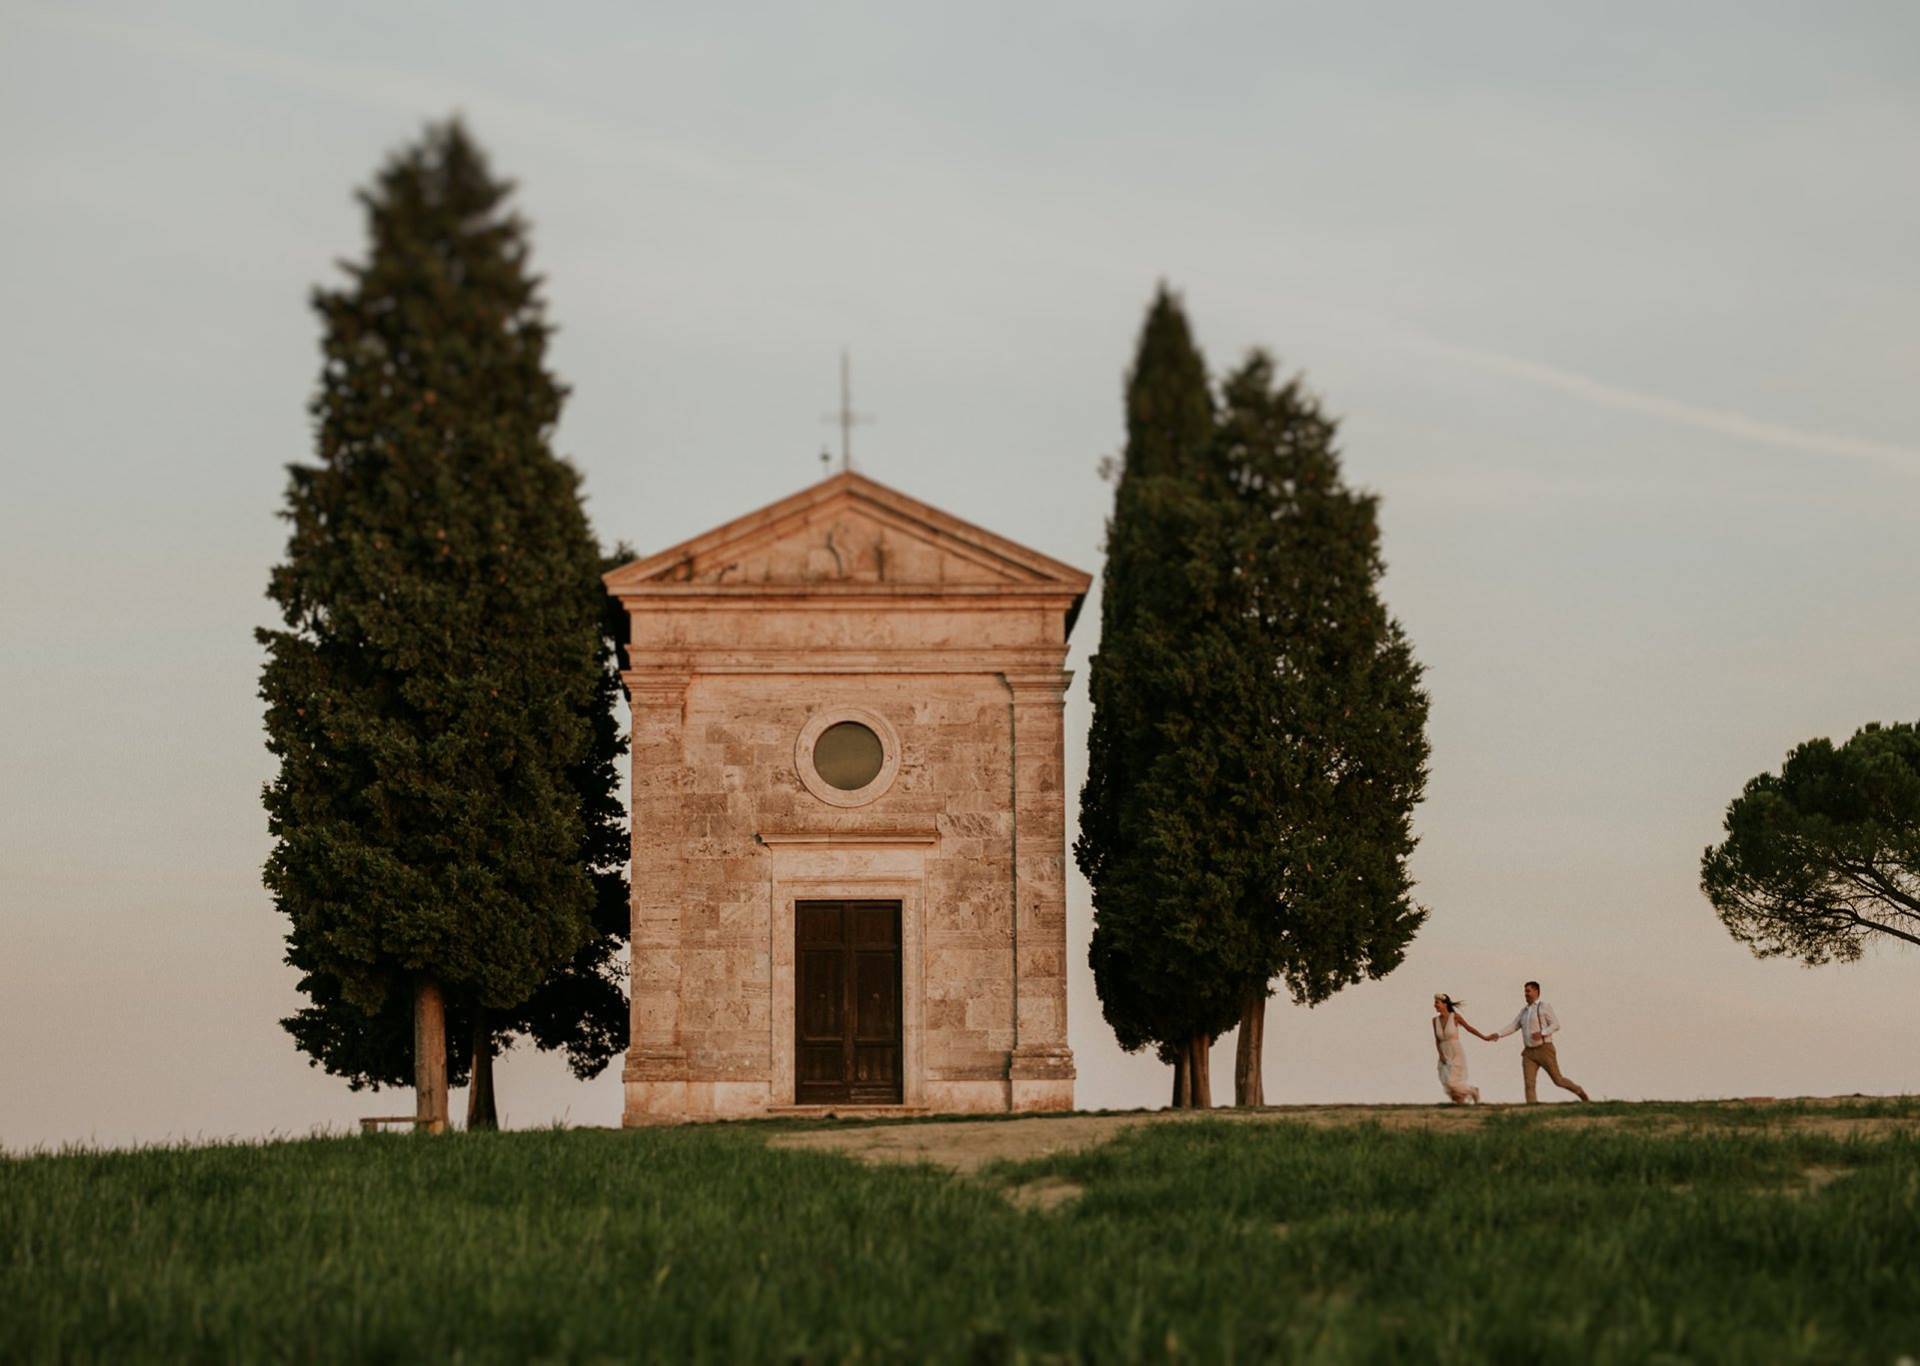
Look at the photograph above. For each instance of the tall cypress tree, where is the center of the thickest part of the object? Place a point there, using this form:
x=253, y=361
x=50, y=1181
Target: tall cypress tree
x=435, y=695
x=1304, y=698
x=1155, y=951
x=1258, y=741
x=581, y=1009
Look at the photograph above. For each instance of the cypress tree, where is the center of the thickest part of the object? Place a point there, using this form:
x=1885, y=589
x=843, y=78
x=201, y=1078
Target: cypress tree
x=434, y=696
x=581, y=1009
x=1258, y=740
x=1304, y=699
x=1155, y=951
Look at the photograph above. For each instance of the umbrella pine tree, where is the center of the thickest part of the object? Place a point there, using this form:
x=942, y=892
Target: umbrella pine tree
x=1823, y=858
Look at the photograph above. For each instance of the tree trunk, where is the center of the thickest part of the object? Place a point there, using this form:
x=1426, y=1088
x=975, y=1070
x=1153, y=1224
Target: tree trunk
x=429, y=1057
x=481, y=1114
x=1182, y=1087
x=1202, y=1068
x=1248, y=1087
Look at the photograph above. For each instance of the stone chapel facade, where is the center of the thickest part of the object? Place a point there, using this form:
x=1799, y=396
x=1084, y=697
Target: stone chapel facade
x=848, y=805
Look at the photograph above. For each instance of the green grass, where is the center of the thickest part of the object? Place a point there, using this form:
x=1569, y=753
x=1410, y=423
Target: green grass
x=1526, y=1240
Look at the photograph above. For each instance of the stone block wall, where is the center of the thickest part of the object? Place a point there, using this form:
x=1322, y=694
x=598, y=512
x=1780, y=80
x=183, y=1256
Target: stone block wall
x=847, y=595
x=715, y=772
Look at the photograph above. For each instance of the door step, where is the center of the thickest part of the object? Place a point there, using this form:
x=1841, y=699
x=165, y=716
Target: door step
x=838, y=1111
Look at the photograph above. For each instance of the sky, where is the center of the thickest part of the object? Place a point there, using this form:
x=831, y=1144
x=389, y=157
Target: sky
x=1616, y=304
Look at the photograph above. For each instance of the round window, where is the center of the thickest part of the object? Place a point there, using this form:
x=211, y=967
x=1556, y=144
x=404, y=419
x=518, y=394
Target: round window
x=848, y=755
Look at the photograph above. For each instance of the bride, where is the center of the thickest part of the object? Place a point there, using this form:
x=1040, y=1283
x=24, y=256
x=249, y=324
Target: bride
x=1447, y=1024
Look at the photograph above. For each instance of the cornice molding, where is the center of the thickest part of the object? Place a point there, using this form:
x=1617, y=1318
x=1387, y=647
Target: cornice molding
x=836, y=595
x=848, y=839
x=656, y=687
x=1038, y=686
x=825, y=659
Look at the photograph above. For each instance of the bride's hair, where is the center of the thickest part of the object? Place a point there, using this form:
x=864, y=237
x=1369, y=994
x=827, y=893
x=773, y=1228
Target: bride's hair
x=1448, y=1001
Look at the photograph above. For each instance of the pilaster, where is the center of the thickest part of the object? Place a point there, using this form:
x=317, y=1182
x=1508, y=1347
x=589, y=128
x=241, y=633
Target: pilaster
x=1041, y=1069
x=656, y=1065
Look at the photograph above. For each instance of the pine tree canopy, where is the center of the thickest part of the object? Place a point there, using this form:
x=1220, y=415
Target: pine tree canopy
x=441, y=697
x=1823, y=858
x=1258, y=740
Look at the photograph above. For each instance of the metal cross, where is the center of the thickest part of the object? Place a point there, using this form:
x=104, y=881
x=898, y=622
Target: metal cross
x=846, y=417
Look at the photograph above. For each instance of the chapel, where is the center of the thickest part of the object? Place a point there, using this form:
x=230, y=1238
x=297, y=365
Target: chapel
x=848, y=808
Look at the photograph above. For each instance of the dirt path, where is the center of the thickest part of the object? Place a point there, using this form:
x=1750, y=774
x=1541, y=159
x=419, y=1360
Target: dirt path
x=967, y=1145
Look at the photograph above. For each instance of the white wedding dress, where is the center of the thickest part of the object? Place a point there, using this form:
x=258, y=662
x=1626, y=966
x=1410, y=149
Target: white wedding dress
x=1453, y=1061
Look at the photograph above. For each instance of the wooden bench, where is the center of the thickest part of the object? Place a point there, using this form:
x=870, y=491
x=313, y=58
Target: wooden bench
x=374, y=1123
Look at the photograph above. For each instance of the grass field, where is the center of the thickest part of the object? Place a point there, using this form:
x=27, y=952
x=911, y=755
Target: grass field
x=1761, y=1235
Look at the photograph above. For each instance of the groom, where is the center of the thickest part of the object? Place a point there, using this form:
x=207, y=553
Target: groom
x=1537, y=1025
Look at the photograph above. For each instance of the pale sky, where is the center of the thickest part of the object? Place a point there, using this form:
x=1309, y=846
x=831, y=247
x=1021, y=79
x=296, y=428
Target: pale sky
x=1619, y=309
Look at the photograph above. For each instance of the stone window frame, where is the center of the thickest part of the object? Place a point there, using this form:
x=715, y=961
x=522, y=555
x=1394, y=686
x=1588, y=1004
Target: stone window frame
x=810, y=776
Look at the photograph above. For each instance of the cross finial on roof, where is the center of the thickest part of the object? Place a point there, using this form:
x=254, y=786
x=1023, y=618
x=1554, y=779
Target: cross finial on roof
x=846, y=417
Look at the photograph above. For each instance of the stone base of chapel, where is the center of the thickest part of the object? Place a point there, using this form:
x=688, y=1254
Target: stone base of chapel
x=677, y=1102
x=674, y=1102
x=1040, y=1077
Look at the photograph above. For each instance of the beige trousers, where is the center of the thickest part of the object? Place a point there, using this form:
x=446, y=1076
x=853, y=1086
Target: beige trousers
x=1536, y=1056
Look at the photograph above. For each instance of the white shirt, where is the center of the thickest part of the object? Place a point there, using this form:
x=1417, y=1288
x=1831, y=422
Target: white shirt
x=1537, y=1018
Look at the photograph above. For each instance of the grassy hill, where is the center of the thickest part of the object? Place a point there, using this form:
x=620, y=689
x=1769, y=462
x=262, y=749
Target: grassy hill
x=1605, y=1233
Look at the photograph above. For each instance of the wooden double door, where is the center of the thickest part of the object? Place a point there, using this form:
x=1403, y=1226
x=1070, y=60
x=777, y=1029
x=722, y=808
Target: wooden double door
x=847, y=1008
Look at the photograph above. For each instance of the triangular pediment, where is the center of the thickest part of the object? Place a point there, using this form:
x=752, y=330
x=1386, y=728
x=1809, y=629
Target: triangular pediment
x=850, y=532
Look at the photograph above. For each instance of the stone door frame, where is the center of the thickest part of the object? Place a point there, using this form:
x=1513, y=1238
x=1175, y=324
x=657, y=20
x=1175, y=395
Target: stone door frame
x=889, y=866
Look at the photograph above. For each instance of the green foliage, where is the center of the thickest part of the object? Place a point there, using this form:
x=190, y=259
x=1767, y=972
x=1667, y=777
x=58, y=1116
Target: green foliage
x=371, y=1049
x=1307, y=696
x=1258, y=742
x=1825, y=855
x=580, y=1008
x=1159, y=961
x=1519, y=1241
x=442, y=698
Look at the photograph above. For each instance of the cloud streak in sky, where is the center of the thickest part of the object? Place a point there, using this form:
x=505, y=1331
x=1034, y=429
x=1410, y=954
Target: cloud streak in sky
x=1720, y=421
